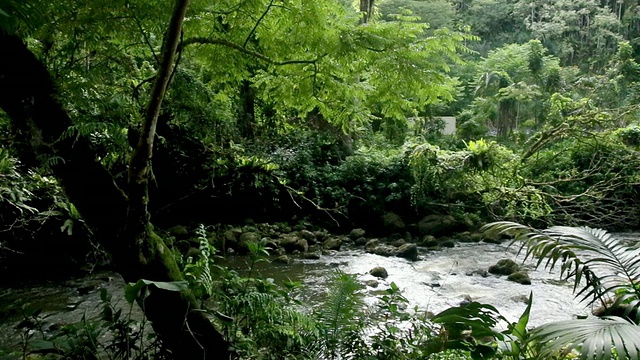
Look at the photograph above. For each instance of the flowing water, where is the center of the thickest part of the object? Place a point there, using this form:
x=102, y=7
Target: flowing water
x=443, y=279
x=438, y=280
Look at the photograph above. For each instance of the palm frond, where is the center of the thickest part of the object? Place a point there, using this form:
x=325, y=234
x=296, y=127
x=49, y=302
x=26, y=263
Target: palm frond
x=599, y=263
x=594, y=338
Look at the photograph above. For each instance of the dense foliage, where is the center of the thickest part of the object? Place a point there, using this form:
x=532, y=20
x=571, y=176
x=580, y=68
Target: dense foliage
x=332, y=112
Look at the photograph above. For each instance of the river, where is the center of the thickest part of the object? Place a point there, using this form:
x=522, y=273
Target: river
x=438, y=280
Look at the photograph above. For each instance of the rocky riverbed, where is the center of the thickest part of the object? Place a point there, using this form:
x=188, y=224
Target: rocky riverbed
x=433, y=274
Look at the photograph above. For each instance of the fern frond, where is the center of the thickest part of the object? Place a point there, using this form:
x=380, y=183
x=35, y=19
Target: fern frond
x=596, y=338
x=342, y=315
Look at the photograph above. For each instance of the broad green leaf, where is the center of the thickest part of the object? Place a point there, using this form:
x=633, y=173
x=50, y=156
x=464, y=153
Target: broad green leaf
x=132, y=291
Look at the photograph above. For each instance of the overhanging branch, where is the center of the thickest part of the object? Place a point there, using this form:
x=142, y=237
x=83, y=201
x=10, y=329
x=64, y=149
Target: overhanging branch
x=240, y=48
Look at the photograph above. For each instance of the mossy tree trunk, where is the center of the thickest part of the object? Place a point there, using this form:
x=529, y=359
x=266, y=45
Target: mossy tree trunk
x=120, y=220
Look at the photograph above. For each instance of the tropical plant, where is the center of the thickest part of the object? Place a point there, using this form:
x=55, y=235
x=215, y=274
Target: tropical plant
x=342, y=318
x=604, y=269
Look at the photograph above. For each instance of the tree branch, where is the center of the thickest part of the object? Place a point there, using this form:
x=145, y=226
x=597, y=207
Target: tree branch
x=144, y=35
x=246, y=41
x=140, y=164
x=232, y=45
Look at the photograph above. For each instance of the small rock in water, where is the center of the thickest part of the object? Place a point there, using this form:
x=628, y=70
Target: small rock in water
x=466, y=300
x=399, y=242
x=385, y=250
x=311, y=255
x=504, y=267
x=361, y=241
x=479, y=272
x=371, y=283
x=283, y=259
x=379, y=272
x=371, y=244
x=448, y=243
x=521, y=277
x=521, y=298
x=329, y=252
x=332, y=244
x=429, y=241
x=308, y=235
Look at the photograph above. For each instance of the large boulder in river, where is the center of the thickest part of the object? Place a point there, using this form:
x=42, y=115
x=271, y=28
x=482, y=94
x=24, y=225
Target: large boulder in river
x=437, y=225
x=504, y=267
x=379, y=272
x=356, y=233
x=291, y=243
x=332, y=244
x=408, y=251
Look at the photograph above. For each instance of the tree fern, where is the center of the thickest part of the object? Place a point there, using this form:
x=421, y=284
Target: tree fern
x=602, y=268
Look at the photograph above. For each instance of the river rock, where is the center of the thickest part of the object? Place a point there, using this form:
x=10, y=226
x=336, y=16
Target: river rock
x=332, y=244
x=371, y=244
x=466, y=300
x=282, y=259
x=492, y=240
x=464, y=237
x=408, y=251
x=385, y=250
x=291, y=243
x=479, y=272
x=247, y=237
x=393, y=221
x=521, y=277
x=429, y=241
x=361, y=241
x=308, y=235
x=399, y=242
x=448, y=243
x=356, y=233
x=437, y=225
x=371, y=283
x=504, y=267
x=320, y=235
x=521, y=299
x=379, y=272
x=476, y=237
x=314, y=255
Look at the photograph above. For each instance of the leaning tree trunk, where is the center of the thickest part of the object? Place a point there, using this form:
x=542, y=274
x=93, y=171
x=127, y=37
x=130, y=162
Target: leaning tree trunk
x=121, y=224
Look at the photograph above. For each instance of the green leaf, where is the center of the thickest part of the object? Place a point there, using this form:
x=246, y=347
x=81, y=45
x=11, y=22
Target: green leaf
x=39, y=345
x=132, y=291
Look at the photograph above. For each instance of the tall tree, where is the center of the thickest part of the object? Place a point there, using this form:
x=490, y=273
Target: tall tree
x=121, y=221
